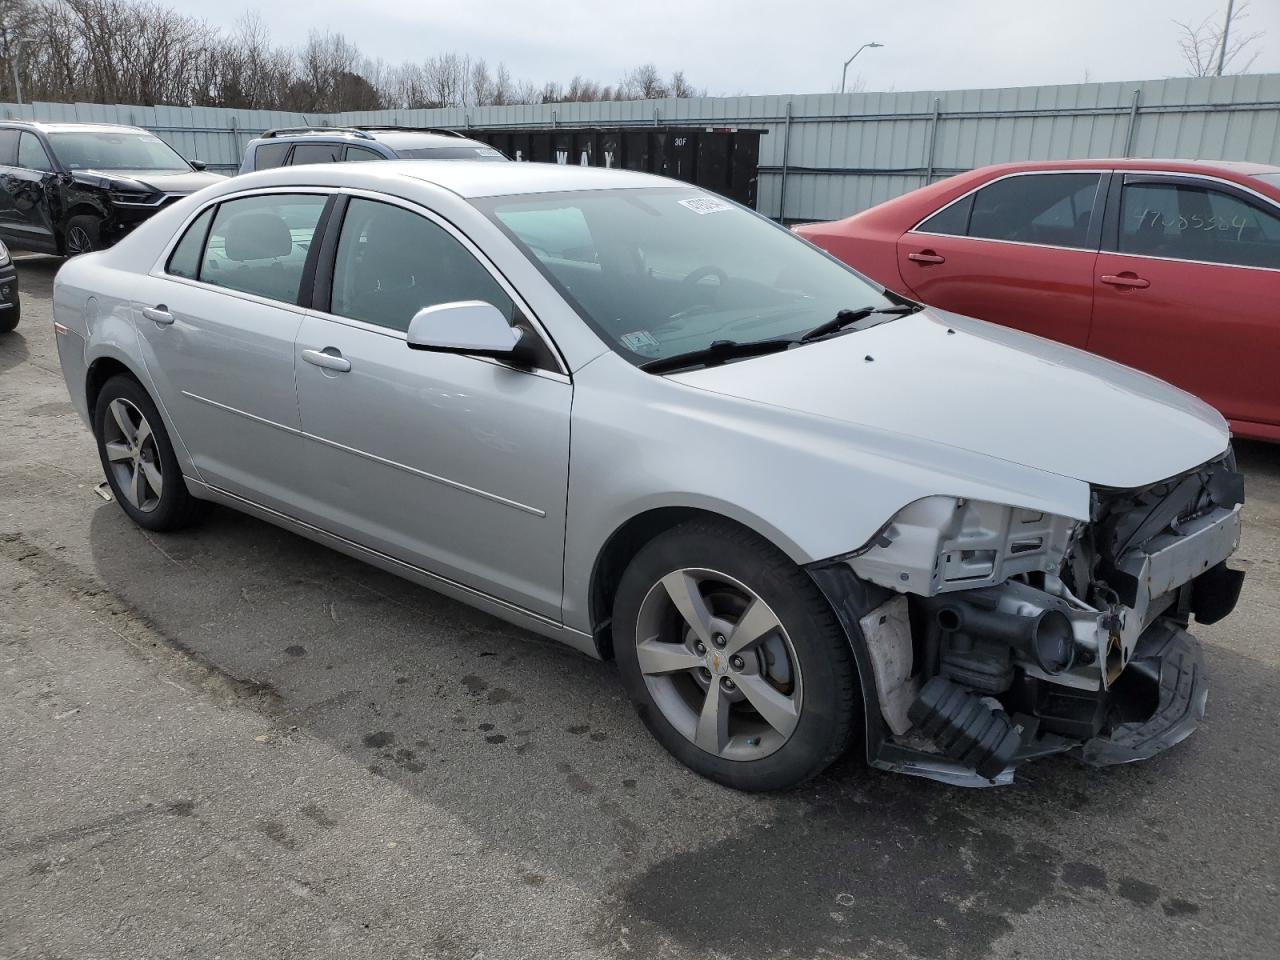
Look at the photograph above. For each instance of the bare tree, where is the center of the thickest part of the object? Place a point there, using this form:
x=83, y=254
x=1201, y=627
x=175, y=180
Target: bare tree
x=138, y=51
x=1213, y=47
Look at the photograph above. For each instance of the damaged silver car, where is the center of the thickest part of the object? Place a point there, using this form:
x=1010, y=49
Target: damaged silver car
x=799, y=511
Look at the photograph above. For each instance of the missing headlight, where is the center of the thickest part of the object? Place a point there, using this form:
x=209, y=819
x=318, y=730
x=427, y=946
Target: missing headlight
x=940, y=544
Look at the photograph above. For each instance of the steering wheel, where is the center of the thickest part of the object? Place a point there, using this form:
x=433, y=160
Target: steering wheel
x=701, y=273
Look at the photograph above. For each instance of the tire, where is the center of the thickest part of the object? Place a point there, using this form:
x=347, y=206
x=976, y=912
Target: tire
x=123, y=414
x=792, y=690
x=9, y=318
x=82, y=234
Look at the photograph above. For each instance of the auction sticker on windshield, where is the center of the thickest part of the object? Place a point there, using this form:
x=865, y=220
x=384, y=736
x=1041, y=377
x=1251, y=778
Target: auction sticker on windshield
x=639, y=341
x=704, y=205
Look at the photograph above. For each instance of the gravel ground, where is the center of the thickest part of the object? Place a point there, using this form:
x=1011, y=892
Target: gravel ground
x=230, y=742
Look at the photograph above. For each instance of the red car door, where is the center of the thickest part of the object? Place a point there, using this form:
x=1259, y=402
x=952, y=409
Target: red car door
x=1188, y=289
x=1019, y=251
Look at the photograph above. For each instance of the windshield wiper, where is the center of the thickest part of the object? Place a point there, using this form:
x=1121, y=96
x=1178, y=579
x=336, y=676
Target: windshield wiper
x=718, y=352
x=846, y=317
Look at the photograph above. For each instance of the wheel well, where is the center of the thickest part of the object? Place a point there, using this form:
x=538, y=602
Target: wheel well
x=82, y=210
x=624, y=544
x=100, y=371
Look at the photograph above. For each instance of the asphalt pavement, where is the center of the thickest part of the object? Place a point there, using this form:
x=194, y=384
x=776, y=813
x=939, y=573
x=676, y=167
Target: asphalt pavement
x=230, y=742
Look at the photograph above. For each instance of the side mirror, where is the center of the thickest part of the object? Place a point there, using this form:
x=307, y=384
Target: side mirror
x=197, y=164
x=470, y=327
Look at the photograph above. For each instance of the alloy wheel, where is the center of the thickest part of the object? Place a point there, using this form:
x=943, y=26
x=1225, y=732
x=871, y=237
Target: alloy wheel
x=132, y=453
x=78, y=241
x=719, y=664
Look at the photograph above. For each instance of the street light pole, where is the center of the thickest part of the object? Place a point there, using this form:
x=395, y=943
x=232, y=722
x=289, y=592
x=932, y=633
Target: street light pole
x=15, y=59
x=1226, y=31
x=845, y=73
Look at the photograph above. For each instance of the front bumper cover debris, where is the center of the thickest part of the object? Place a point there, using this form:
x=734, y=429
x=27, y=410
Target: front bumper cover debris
x=1167, y=662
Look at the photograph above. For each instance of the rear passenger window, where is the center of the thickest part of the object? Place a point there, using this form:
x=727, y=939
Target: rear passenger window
x=1186, y=222
x=185, y=259
x=1052, y=209
x=360, y=153
x=392, y=262
x=316, y=153
x=269, y=155
x=259, y=244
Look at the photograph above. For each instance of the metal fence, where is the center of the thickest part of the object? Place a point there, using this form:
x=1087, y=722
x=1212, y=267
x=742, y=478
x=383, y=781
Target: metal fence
x=829, y=155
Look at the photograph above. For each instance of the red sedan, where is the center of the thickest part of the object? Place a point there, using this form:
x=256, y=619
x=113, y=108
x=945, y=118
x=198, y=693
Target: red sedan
x=1170, y=266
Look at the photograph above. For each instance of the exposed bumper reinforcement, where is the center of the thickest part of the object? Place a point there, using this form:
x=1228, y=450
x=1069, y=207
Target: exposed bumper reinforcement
x=1169, y=659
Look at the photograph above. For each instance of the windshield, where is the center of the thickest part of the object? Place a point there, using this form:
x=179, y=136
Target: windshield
x=664, y=271
x=449, y=153
x=124, y=150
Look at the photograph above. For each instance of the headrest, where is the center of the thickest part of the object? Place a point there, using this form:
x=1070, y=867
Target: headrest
x=257, y=236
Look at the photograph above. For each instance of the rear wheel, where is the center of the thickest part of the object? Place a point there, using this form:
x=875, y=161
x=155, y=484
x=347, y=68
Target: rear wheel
x=9, y=318
x=733, y=658
x=138, y=458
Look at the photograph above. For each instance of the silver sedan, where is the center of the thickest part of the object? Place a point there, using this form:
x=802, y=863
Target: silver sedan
x=798, y=510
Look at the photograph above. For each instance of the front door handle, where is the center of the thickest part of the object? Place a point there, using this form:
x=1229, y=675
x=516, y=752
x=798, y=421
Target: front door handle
x=159, y=313
x=1125, y=279
x=328, y=358
x=926, y=256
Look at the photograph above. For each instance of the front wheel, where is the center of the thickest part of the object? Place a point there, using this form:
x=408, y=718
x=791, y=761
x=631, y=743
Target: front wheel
x=733, y=658
x=83, y=235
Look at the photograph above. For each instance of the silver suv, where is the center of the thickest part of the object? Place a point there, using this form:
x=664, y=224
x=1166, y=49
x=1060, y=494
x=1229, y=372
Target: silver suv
x=291, y=146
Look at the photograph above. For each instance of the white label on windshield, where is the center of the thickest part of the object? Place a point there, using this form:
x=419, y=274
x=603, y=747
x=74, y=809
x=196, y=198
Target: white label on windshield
x=149, y=139
x=705, y=205
x=488, y=153
x=639, y=341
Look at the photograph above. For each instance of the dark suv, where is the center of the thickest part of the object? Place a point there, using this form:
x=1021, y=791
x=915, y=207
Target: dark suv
x=290, y=146
x=68, y=188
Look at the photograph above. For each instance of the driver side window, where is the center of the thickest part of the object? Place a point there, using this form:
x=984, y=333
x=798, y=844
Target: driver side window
x=392, y=262
x=31, y=153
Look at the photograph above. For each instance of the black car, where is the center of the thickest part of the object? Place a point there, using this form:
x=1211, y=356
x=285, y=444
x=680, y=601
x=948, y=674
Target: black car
x=69, y=188
x=10, y=305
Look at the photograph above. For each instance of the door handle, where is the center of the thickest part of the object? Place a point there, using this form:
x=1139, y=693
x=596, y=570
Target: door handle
x=1125, y=280
x=926, y=256
x=159, y=314
x=329, y=361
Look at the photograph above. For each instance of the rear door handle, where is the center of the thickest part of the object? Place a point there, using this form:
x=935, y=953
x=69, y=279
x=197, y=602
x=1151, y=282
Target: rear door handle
x=926, y=256
x=1125, y=280
x=159, y=313
x=329, y=361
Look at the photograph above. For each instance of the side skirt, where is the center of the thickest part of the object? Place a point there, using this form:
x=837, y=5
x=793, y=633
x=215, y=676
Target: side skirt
x=494, y=606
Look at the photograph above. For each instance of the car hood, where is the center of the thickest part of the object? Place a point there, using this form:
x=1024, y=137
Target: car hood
x=964, y=383
x=166, y=181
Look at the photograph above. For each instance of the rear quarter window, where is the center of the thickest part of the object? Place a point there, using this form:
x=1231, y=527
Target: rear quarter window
x=950, y=221
x=269, y=155
x=185, y=259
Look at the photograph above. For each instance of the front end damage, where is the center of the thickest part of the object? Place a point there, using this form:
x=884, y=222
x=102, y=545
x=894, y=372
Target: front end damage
x=987, y=635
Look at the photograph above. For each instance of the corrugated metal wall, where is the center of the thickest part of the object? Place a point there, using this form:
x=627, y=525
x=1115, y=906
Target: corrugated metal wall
x=829, y=155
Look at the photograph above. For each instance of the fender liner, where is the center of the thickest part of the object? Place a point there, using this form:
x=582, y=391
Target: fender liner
x=851, y=599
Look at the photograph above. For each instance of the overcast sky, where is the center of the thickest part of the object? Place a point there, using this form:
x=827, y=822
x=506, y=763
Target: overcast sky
x=778, y=46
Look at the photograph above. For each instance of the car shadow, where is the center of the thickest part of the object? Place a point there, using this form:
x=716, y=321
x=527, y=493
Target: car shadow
x=13, y=349
x=535, y=747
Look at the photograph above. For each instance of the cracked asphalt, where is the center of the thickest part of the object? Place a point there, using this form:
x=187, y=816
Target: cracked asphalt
x=230, y=742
